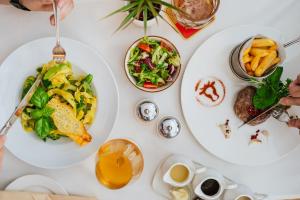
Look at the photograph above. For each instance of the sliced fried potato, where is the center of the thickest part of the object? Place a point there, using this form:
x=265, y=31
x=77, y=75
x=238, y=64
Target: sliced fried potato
x=246, y=52
x=264, y=42
x=275, y=61
x=274, y=47
x=248, y=67
x=259, y=52
x=255, y=62
x=251, y=73
x=265, y=63
x=247, y=58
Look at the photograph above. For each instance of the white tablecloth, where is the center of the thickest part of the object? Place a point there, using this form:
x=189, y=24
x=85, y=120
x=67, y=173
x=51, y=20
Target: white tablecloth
x=17, y=28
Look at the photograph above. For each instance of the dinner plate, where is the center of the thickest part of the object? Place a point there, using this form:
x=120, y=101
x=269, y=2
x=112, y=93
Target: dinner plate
x=36, y=183
x=24, y=62
x=211, y=62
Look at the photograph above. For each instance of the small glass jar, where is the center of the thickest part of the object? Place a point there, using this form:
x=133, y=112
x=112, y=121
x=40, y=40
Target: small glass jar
x=198, y=13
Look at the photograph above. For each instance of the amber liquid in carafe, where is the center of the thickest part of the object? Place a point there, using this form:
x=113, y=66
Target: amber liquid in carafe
x=118, y=162
x=114, y=170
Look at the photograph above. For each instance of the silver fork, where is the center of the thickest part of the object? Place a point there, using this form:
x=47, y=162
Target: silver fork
x=58, y=52
x=281, y=114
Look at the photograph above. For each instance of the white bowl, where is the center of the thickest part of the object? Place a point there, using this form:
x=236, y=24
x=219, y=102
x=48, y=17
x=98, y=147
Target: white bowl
x=133, y=81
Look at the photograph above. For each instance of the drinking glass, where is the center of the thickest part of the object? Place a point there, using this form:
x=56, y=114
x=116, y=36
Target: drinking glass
x=119, y=162
x=197, y=13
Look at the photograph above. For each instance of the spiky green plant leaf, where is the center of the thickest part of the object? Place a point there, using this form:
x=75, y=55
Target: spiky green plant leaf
x=145, y=17
x=122, y=9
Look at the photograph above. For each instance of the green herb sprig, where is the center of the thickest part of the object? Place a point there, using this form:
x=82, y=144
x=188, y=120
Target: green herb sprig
x=270, y=90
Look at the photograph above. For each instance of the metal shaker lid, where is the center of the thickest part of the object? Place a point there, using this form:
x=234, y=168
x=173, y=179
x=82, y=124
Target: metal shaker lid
x=147, y=110
x=169, y=127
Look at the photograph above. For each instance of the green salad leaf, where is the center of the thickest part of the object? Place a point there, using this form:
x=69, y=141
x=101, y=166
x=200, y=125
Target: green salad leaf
x=27, y=85
x=40, y=98
x=38, y=113
x=153, y=63
x=42, y=127
x=270, y=90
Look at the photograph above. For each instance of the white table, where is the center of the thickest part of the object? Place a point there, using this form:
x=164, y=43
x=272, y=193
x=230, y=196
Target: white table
x=17, y=28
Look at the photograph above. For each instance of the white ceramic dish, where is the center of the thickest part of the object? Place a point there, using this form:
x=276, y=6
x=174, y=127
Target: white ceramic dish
x=131, y=78
x=212, y=59
x=62, y=153
x=36, y=183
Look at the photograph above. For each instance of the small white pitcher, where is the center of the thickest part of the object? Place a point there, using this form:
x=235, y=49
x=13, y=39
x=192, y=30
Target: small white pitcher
x=242, y=192
x=186, y=162
x=222, y=182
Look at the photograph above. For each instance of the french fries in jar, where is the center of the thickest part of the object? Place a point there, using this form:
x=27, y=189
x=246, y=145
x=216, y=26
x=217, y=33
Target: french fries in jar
x=261, y=55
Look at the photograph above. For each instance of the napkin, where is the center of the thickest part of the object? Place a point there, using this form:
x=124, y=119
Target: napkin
x=12, y=195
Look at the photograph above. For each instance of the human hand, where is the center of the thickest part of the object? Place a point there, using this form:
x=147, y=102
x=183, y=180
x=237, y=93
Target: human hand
x=293, y=99
x=66, y=6
x=2, y=140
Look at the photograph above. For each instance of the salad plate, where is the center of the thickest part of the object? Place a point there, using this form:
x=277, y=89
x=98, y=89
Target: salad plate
x=209, y=66
x=53, y=154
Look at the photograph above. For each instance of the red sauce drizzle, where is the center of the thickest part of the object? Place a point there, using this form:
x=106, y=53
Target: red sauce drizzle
x=254, y=137
x=197, y=85
x=203, y=91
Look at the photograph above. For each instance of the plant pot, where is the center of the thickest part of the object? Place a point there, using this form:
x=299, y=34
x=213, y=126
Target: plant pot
x=140, y=23
x=150, y=22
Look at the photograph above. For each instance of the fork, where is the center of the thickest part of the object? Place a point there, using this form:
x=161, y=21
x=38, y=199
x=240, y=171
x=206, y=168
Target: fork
x=281, y=114
x=58, y=52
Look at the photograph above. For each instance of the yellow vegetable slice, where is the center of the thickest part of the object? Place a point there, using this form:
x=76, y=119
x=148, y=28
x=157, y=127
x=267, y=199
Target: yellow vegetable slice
x=27, y=122
x=264, y=42
x=265, y=63
x=80, y=115
x=77, y=95
x=89, y=117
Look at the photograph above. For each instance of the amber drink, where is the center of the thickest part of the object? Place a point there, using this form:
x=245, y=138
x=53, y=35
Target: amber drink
x=120, y=162
x=196, y=13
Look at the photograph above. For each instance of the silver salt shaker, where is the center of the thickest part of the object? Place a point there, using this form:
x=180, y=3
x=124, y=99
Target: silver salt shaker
x=169, y=127
x=147, y=110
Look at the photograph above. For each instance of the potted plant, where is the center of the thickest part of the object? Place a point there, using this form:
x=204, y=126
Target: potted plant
x=142, y=12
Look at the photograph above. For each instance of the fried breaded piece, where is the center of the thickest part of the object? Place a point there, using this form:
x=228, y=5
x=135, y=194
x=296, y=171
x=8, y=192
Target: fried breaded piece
x=67, y=123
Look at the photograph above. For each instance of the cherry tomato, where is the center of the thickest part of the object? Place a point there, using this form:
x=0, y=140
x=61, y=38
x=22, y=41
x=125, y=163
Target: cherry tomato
x=150, y=85
x=145, y=47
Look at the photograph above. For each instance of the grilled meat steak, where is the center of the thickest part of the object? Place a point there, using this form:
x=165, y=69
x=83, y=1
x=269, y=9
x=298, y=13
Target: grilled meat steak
x=244, y=108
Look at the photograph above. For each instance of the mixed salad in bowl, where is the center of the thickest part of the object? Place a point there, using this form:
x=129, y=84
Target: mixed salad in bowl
x=152, y=64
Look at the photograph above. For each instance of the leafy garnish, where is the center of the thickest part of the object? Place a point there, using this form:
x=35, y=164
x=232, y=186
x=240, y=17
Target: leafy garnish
x=38, y=113
x=270, y=90
x=43, y=127
x=27, y=85
x=39, y=98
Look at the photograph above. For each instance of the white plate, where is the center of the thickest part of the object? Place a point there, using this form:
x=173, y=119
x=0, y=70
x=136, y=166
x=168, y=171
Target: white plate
x=212, y=59
x=36, y=183
x=62, y=153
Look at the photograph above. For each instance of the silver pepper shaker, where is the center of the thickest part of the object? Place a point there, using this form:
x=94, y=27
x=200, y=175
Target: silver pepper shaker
x=169, y=127
x=147, y=110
